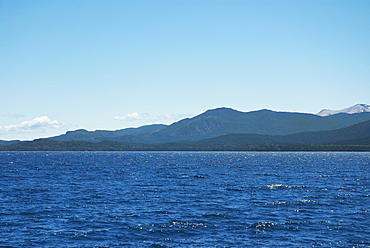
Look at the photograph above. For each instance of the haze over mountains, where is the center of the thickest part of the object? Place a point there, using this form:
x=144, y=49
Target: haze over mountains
x=229, y=127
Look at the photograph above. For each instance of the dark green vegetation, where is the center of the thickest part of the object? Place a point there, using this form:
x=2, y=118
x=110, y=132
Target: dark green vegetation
x=4, y=142
x=222, y=129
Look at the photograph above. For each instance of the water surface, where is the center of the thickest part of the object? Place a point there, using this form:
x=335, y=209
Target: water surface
x=184, y=199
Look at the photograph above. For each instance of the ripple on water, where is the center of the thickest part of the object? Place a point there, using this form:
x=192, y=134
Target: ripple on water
x=143, y=199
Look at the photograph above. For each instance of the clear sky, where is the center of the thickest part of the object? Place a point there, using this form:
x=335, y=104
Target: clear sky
x=112, y=64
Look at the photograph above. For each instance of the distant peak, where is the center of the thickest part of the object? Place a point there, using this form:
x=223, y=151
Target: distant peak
x=265, y=110
x=78, y=130
x=355, y=109
x=361, y=104
x=221, y=109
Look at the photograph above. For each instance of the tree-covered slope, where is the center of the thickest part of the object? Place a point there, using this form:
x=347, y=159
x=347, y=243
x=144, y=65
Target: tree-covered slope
x=100, y=135
x=357, y=132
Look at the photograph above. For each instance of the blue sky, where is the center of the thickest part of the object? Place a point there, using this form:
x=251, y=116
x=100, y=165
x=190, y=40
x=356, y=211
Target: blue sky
x=113, y=64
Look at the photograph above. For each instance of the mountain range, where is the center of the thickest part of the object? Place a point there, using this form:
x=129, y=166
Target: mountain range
x=226, y=127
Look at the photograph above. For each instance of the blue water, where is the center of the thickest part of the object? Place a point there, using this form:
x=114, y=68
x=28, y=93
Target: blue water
x=184, y=199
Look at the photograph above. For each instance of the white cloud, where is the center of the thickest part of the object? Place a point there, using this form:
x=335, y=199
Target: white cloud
x=134, y=117
x=148, y=117
x=37, y=124
x=173, y=116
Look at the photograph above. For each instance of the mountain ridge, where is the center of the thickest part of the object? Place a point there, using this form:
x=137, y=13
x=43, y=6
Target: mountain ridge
x=99, y=135
x=218, y=122
x=223, y=121
x=353, y=138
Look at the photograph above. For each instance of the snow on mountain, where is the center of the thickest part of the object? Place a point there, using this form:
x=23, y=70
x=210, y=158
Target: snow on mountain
x=358, y=108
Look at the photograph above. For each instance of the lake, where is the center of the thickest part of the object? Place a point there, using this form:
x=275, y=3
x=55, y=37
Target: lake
x=184, y=199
